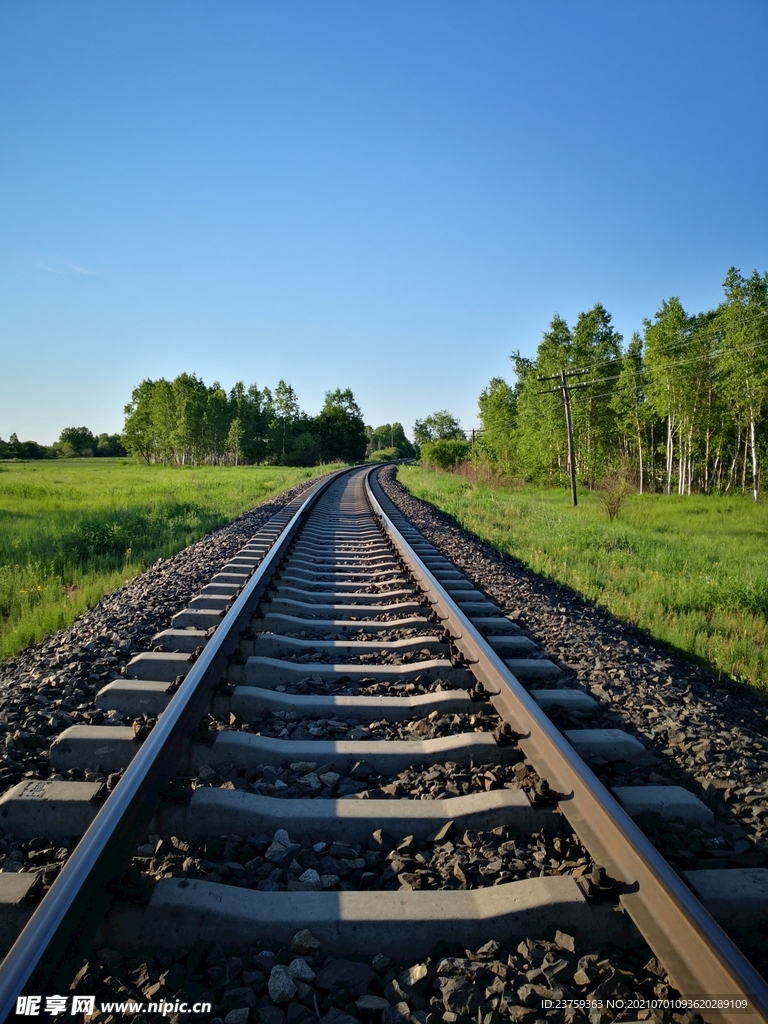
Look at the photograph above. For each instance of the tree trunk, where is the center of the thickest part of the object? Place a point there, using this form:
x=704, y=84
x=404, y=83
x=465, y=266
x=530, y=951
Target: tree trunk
x=682, y=465
x=736, y=450
x=744, y=465
x=755, y=473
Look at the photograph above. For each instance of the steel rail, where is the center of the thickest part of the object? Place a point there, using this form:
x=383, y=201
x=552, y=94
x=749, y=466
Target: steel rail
x=49, y=950
x=701, y=960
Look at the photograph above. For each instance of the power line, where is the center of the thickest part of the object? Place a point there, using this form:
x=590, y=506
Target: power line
x=710, y=329
x=709, y=357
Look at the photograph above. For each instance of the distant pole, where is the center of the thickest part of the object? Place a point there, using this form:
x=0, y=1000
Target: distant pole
x=563, y=376
x=569, y=425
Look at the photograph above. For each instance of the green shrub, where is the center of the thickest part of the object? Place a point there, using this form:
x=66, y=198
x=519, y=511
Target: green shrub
x=446, y=453
x=384, y=455
x=304, y=451
x=613, y=494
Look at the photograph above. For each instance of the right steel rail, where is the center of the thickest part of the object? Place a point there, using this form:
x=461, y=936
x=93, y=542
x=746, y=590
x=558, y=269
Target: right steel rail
x=701, y=960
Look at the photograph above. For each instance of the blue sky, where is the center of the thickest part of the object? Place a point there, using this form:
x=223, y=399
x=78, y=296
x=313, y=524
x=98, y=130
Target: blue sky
x=385, y=196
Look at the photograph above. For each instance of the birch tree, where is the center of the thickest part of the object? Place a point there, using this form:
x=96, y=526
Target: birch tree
x=743, y=359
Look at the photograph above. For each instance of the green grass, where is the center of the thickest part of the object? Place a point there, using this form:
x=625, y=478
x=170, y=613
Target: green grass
x=693, y=572
x=72, y=530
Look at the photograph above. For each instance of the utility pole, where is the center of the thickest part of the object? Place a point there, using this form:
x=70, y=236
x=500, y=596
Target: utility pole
x=563, y=376
x=569, y=425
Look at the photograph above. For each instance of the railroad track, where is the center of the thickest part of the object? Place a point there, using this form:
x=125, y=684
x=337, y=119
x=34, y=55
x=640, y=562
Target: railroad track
x=337, y=656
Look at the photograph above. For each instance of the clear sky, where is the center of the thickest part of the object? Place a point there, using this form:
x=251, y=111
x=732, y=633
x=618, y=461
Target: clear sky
x=389, y=196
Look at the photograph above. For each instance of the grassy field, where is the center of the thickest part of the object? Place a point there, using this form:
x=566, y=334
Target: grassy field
x=691, y=571
x=72, y=530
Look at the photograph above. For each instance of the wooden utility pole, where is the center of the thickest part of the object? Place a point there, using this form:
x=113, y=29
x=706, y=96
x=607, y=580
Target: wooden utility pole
x=563, y=376
x=569, y=425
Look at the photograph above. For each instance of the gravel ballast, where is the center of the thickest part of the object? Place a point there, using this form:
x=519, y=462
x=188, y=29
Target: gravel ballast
x=300, y=984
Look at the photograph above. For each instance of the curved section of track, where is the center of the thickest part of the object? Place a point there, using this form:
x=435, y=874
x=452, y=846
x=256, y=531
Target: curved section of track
x=340, y=611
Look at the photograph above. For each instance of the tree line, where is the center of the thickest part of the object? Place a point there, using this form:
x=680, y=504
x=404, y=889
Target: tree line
x=73, y=442
x=680, y=408
x=185, y=422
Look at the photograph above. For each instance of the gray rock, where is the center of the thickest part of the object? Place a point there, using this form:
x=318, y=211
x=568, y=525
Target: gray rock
x=565, y=941
x=237, y=997
x=460, y=996
x=310, y=781
x=398, y=1013
x=311, y=879
x=452, y=965
x=277, y=853
x=270, y=1015
x=354, y=977
x=370, y=1003
x=238, y=1016
x=415, y=977
x=304, y=942
x=265, y=960
x=336, y=1016
x=281, y=987
x=300, y=970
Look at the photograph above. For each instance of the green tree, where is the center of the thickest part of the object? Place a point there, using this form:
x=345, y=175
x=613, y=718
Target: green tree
x=253, y=407
x=632, y=410
x=234, y=441
x=305, y=450
x=139, y=431
x=590, y=353
x=498, y=416
x=190, y=400
x=77, y=442
x=542, y=440
x=596, y=348
x=743, y=360
x=165, y=419
x=286, y=406
x=110, y=446
x=666, y=342
x=439, y=426
x=390, y=436
x=340, y=427
x=218, y=418
x=13, y=448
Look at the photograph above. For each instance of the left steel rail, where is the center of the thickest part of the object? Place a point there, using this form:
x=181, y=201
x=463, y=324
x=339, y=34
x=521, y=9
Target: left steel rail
x=49, y=950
